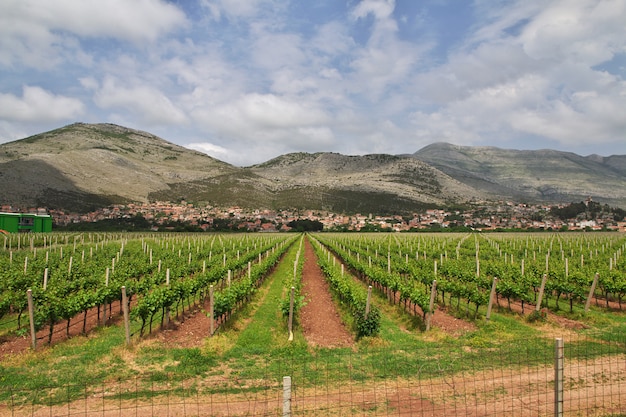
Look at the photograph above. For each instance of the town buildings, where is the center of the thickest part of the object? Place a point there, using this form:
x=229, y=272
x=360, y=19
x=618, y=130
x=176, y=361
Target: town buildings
x=485, y=217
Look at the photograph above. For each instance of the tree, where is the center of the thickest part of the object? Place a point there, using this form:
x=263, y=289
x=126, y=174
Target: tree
x=306, y=225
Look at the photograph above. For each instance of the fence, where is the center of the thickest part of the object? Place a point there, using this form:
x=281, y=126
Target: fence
x=578, y=377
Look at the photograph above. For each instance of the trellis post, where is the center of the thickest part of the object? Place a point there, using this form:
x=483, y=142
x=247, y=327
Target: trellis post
x=491, y=297
x=559, y=361
x=592, y=290
x=431, y=307
x=126, y=315
x=291, y=300
x=31, y=316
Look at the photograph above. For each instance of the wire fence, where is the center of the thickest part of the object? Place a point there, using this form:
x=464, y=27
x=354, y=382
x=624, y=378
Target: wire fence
x=576, y=377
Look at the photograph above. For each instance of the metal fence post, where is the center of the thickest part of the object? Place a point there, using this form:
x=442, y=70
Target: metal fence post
x=558, y=377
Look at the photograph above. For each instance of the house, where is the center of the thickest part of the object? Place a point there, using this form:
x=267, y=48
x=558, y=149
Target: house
x=24, y=223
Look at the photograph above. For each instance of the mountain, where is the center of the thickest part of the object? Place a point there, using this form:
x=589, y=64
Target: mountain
x=538, y=175
x=369, y=183
x=383, y=184
x=81, y=167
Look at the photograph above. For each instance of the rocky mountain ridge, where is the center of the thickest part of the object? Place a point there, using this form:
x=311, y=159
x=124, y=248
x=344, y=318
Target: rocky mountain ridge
x=536, y=175
x=84, y=166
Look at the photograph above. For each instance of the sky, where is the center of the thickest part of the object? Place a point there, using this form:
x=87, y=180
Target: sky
x=248, y=80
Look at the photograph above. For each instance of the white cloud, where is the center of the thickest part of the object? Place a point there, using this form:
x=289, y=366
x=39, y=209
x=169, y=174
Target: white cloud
x=37, y=105
x=144, y=101
x=40, y=32
x=386, y=61
x=210, y=149
x=537, y=79
x=381, y=9
x=332, y=39
x=583, y=31
x=273, y=51
x=253, y=114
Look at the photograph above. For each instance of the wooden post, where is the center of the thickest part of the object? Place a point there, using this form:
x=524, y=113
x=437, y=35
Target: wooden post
x=211, y=318
x=167, y=309
x=591, y=291
x=291, y=301
x=541, y=289
x=45, y=278
x=492, y=295
x=431, y=307
x=126, y=315
x=368, y=302
x=559, y=362
x=31, y=316
x=286, y=396
x=104, y=307
x=477, y=264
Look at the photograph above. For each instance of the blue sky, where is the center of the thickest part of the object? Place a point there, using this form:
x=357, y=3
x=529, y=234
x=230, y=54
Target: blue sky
x=248, y=80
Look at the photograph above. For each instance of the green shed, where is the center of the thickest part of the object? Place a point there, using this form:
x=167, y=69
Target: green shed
x=24, y=223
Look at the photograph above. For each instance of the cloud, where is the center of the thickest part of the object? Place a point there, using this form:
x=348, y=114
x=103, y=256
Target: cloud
x=41, y=32
x=529, y=72
x=273, y=51
x=381, y=9
x=253, y=115
x=39, y=105
x=210, y=149
x=144, y=101
x=586, y=31
x=239, y=9
x=386, y=61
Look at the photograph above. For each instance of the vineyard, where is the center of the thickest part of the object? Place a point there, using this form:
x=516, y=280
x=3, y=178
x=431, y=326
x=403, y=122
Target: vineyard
x=77, y=310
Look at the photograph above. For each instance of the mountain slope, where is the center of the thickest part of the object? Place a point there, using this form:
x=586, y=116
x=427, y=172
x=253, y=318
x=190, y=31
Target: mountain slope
x=541, y=175
x=82, y=165
x=381, y=176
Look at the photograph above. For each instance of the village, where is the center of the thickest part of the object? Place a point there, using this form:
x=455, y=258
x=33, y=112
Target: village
x=481, y=217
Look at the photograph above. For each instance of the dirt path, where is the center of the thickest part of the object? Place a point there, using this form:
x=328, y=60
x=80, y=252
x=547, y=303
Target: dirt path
x=319, y=318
